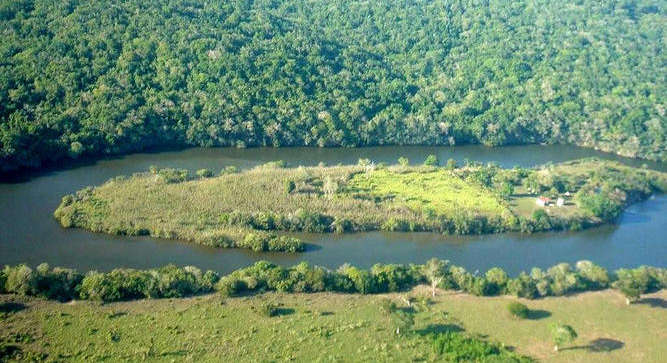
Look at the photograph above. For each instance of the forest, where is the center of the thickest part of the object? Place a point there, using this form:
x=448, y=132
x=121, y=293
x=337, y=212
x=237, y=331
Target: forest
x=92, y=78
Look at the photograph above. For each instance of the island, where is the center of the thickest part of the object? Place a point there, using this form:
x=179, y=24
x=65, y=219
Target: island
x=256, y=208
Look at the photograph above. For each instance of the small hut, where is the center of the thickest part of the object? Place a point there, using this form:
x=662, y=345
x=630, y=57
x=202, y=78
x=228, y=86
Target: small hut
x=542, y=201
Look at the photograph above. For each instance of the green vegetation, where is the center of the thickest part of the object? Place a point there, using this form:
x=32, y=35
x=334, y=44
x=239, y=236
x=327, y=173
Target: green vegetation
x=325, y=326
x=171, y=281
x=562, y=334
x=455, y=347
x=250, y=208
x=98, y=77
x=518, y=310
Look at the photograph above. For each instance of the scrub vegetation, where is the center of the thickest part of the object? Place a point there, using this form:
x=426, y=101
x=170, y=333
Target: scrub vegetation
x=172, y=281
x=255, y=208
x=95, y=77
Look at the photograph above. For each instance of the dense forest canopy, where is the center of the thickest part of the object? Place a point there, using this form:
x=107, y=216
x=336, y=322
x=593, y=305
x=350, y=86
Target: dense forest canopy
x=109, y=76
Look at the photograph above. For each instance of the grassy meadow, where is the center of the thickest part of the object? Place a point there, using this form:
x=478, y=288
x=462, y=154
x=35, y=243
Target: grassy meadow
x=327, y=327
x=245, y=209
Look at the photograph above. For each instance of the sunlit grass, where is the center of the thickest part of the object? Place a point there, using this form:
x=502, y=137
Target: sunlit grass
x=326, y=326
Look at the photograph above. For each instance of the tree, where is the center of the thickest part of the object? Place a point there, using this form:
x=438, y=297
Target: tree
x=403, y=161
x=435, y=270
x=431, y=160
x=562, y=334
x=632, y=283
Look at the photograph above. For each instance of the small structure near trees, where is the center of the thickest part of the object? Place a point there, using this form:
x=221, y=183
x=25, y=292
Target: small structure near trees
x=542, y=201
x=560, y=202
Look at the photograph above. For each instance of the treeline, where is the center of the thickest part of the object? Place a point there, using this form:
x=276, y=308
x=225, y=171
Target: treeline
x=101, y=77
x=171, y=281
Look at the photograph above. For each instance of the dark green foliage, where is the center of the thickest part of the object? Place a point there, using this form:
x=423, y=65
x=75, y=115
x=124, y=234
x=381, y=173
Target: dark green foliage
x=169, y=175
x=518, y=309
x=267, y=309
x=20, y=280
x=635, y=282
x=58, y=283
x=204, y=173
x=270, y=242
x=541, y=220
x=172, y=281
x=431, y=160
x=458, y=347
x=599, y=204
x=127, y=284
x=237, y=73
x=289, y=186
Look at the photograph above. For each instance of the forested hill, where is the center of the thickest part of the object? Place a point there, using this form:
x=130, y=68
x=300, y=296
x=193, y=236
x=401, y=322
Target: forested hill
x=88, y=77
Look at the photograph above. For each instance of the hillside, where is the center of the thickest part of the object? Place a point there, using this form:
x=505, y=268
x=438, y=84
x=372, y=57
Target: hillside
x=87, y=78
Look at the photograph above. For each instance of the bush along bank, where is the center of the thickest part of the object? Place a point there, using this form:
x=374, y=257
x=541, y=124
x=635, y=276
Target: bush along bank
x=171, y=281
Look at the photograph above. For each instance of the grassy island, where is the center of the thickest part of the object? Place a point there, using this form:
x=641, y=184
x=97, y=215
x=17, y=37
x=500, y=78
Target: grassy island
x=251, y=209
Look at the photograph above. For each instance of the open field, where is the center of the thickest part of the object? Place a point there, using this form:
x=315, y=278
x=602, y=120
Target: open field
x=329, y=327
x=241, y=209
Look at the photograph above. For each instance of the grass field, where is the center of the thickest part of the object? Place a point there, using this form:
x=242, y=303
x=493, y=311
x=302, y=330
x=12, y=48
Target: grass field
x=328, y=327
x=439, y=190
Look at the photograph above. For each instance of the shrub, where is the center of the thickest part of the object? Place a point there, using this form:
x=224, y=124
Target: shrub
x=362, y=280
x=497, y=280
x=592, y=276
x=391, y=278
x=267, y=309
x=204, y=173
x=403, y=161
x=634, y=282
x=522, y=286
x=57, y=284
x=289, y=186
x=518, y=310
x=230, y=286
x=173, y=175
x=457, y=347
x=431, y=160
x=172, y=281
x=541, y=219
x=562, y=279
x=20, y=280
x=231, y=169
x=451, y=164
x=119, y=284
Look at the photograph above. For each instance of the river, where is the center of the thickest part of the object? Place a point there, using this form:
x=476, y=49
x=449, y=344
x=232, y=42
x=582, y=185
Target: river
x=30, y=234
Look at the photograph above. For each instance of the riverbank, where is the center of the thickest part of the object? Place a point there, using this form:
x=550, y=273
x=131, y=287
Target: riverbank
x=328, y=326
x=246, y=209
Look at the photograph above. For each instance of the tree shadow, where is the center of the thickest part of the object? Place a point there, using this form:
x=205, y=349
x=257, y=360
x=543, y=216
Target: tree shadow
x=11, y=307
x=599, y=345
x=654, y=302
x=310, y=247
x=283, y=311
x=537, y=314
x=604, y=345
x=439, y=328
